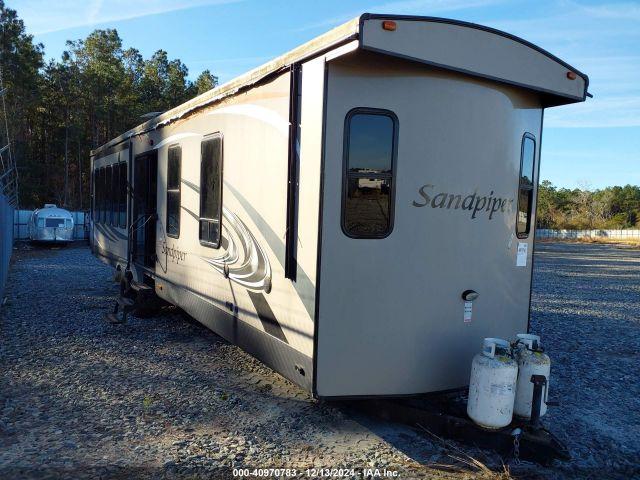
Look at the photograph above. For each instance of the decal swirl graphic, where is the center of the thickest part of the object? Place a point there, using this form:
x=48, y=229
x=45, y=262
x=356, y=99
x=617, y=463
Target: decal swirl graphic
x=243, y=262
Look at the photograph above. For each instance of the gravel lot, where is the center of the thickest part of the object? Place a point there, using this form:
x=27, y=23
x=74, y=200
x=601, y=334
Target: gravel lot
x=163, y=397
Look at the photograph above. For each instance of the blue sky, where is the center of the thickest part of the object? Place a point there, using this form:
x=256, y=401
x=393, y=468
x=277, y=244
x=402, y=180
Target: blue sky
x=594, y=144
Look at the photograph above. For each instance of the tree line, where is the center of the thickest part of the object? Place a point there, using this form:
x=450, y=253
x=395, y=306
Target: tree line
x=584, y=208
x=59, y=110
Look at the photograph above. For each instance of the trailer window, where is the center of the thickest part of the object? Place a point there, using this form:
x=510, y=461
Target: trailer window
x=54, y=222
x=109, y=189
x=174, y=169
x=103, y=176
x=115, y=193
x=211, y=190
x=96, y=195
x=122, y=208
x=101, y=195
x=92, y=194
x=526, y=185
x=370, y=148
x=105, y=195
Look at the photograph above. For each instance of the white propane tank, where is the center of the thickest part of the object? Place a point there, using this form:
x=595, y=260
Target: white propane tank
x=492, y=386
x=531, y=361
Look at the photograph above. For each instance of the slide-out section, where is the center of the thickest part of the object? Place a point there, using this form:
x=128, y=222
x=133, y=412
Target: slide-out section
x=420, y=204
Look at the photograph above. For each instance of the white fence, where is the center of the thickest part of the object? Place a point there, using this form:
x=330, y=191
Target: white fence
x=21, y=225
x=543, y=233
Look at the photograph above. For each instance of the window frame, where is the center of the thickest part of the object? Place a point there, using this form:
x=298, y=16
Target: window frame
x=532, y=188
x=177, y=147
x=206, y=243
x=390, y=176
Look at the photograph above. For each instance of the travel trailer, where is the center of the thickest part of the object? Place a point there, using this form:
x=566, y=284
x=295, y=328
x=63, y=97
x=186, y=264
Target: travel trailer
x=358, y=213
x=51, y=225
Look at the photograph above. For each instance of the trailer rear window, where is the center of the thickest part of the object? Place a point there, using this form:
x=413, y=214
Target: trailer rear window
x=370, y=148
x=526, y=185
x=54, y=222
x=173, y=191
x=211, y=190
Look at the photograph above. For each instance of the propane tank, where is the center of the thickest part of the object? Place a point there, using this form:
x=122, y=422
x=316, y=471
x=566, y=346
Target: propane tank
x=492, y=386
x=531, y=361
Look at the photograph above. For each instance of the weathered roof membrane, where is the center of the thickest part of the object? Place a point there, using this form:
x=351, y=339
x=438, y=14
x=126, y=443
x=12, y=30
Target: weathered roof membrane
x=528, y=66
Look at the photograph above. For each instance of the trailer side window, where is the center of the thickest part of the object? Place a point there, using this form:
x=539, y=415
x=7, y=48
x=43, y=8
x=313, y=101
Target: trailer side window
x=174, y=168
x=101, y=195
x=526, y=185
x=122, y=208
x=109, y=192
x=370, y=145
x=94, y=194
x=211, y=190
x=115, y=193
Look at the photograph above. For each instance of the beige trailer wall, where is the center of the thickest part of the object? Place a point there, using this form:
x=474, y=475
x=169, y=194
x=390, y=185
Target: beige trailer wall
x=270, y=316
x=255, y=127
x=391, y=317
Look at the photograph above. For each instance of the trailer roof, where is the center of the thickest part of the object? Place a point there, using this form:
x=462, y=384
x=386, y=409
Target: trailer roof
x=340, y=35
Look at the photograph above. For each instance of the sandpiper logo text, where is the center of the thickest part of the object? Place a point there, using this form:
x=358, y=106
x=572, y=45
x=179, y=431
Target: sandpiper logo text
x=173, y=253
x=478, y=205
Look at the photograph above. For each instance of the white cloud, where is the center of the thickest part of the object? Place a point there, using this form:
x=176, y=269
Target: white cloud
x=77, y=13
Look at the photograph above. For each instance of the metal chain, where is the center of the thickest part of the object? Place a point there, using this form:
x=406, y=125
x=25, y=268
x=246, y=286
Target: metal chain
x=516, y=444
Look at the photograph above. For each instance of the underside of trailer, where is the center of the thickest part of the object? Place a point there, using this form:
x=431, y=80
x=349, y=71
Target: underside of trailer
x=358, y=213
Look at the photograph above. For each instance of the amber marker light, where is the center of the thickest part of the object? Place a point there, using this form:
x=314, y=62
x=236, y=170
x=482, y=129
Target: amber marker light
x=571, y=75
x=389, y=25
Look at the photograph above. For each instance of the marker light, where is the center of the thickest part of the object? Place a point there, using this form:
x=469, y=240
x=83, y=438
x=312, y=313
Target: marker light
x=571, y=75
x=389, y=25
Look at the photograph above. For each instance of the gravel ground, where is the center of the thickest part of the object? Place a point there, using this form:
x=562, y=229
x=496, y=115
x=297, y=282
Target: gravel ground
x=164, y=397
x=586, y=307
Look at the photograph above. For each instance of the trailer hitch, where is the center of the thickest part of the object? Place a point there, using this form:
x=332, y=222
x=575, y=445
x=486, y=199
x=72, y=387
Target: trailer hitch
x=445, y=416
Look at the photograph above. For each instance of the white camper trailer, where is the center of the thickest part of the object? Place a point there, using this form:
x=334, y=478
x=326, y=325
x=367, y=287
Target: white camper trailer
x=51, y=225
x=357, y=213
